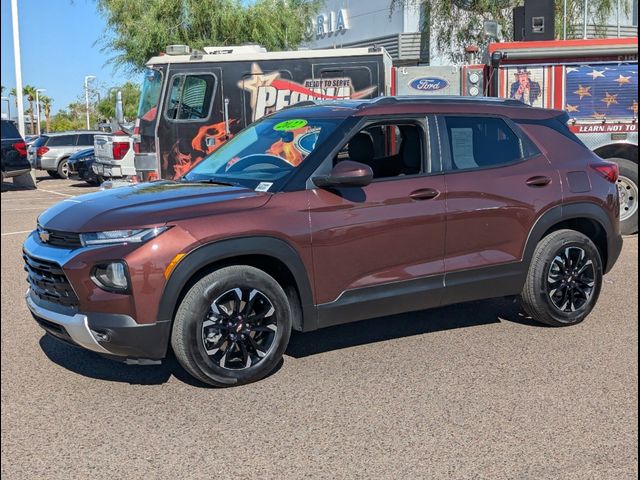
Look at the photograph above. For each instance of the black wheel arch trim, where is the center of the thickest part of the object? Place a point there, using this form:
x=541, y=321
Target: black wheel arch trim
x=572, y=211
x=221, y=250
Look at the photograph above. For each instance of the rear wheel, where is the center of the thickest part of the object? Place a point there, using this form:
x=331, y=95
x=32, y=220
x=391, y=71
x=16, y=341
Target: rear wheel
x=232, y=326
x=63, y=168
x=628, y=190
x=564, y=279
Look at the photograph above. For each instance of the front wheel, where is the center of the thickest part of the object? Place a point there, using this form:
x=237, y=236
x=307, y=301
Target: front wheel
x=232, y=326
x=564, y=279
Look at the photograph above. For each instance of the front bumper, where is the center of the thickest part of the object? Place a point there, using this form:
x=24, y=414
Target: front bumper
x=107, y=334
x=99, y=321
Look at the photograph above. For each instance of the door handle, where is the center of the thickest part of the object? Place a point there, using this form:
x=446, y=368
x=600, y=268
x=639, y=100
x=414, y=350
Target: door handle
x=539, y=181
x=424, y=194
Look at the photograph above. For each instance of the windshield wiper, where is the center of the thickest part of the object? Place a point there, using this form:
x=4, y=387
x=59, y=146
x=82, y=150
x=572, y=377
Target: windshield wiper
x=210, y=181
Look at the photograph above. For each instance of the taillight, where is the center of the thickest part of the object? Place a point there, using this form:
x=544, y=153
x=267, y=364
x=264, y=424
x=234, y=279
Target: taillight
x=20, y=147
x=120, y=149
x=41, y=151
x=608, y=170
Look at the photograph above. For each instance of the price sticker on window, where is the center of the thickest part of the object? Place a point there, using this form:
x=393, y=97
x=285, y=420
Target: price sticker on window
x=288, y=125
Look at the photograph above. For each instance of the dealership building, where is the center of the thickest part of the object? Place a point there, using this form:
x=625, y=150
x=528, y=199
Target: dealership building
x=351, y=23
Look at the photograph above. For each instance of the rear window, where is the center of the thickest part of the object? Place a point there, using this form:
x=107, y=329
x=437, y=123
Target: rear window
x=9, y=130
x=62, y=141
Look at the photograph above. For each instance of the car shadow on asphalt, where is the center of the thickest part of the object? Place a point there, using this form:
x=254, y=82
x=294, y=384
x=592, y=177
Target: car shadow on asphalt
x=471, y=314
x=381, y=329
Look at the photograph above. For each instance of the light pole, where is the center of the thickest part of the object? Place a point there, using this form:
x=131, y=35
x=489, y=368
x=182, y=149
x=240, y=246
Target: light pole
x=87, y=79
x=16, y=60
x=6, y=99
x=38, y=90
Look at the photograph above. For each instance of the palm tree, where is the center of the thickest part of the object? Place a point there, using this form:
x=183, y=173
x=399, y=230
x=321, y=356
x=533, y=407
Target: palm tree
x=13, y=93
x=30, y=92
x=46, y=103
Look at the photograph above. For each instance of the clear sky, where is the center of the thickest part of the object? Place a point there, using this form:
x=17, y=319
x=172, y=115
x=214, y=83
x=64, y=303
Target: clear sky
x=57, y=49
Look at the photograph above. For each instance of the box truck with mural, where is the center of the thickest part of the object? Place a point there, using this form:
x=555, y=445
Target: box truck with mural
x=596, y=82
x=192, y=102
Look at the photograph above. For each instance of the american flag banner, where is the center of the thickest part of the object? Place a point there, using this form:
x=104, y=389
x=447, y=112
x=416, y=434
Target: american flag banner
x=601, y=91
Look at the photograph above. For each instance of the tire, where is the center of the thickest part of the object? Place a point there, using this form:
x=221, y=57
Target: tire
x=203, y=331
x=63, y=168
x=543, y=294
x=53, y=173
x=628, y=188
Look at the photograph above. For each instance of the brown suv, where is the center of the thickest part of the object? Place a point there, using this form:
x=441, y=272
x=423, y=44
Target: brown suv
x=324, y=214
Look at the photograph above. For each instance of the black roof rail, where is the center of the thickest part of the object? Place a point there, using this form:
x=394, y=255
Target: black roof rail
x=445, y=98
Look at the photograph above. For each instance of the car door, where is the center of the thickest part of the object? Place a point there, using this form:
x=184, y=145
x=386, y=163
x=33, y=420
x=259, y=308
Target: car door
x=497, y=184
x=192, y=123
x=380, y=248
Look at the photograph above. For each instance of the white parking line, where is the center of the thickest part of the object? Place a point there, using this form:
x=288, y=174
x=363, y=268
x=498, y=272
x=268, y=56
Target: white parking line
x=15, y=233
x=24, y=209
x=55, y=193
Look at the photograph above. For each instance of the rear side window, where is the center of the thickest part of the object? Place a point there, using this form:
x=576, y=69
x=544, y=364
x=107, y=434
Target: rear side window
x=481, y=142
x=190, y=97
x=40, y=141
x=62, y=141
x=9, y=130
x=85, y=139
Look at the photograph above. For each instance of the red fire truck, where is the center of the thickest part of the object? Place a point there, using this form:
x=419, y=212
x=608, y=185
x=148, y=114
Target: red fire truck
x=596, y=82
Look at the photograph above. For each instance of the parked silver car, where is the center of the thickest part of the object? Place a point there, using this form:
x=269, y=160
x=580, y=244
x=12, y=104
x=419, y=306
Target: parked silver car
x=51, y=151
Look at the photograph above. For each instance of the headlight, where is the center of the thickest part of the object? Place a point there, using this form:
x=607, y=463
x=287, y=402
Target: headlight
x=112, y=276
x=121, y=236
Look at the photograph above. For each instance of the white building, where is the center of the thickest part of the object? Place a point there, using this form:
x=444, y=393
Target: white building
x=361, y=23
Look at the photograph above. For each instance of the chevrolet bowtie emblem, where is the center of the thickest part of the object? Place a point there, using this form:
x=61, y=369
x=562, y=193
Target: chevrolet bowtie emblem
x=44, y=235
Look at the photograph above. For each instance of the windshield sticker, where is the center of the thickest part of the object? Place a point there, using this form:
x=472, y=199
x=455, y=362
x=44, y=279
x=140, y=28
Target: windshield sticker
x=288, y=125
x=263, y=186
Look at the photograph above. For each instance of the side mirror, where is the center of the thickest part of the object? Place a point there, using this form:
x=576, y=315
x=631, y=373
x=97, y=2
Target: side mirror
x=346, y=174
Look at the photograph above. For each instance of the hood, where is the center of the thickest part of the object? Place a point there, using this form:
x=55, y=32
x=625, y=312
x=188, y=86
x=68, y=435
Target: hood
x=147, y=204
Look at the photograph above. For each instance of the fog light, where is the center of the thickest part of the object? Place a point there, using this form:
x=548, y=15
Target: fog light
x=111, y=276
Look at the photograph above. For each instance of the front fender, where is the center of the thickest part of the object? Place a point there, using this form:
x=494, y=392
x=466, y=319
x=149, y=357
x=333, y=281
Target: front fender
x=210, y=253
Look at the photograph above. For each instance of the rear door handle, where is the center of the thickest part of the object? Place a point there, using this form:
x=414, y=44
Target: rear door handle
x=424, y=194
x=539, y=181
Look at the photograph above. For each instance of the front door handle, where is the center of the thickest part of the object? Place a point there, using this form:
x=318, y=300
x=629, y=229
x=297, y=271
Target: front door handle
x=424, y=194
x=539, y=181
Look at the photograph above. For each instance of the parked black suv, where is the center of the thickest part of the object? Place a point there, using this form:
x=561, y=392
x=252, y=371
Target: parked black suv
x=14, y=151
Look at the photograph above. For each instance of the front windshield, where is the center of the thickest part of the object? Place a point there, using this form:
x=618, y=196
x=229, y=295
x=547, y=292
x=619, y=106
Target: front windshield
x=265, y=152
x=150, y=94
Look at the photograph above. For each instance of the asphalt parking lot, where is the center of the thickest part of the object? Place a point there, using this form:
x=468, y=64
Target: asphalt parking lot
x=468, y=391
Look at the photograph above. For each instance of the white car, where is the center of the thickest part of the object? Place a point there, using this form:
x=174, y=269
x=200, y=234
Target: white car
x=114, y=156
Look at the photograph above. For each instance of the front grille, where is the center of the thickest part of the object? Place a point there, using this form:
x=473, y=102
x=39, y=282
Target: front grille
x=63, y=239
x=48, y=281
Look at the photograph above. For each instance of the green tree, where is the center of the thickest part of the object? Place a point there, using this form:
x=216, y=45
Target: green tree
x=29, y=91
x=454, y=24
x=130, y=96
x=13, y=93
x=138, y=30
x=46, y=103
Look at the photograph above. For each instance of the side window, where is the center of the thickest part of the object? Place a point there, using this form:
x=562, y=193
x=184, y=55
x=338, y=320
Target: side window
x=85, y=140
x=62, y=141
x=190, y=97
x=391, y=150
x=481, y=142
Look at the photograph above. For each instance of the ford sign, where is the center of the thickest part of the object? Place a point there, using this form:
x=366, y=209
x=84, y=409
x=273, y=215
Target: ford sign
x=428, y=84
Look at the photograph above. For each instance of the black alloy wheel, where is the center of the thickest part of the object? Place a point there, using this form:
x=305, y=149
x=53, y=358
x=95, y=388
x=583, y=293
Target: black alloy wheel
x=240, y=328
x=571, y=279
